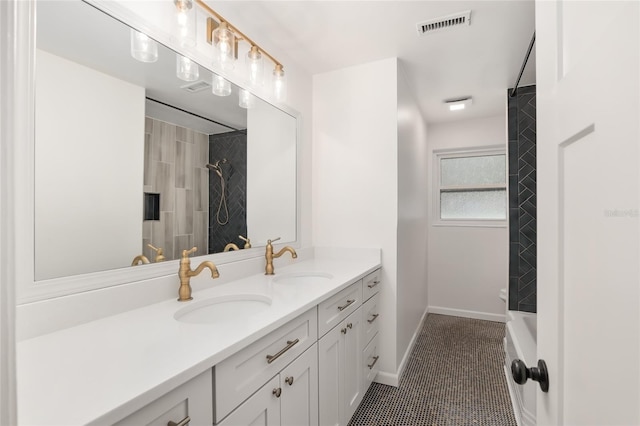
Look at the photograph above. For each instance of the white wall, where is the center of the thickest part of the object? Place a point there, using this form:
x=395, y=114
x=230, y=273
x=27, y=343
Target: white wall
x=369, y=186
x=355, y=174
x=413, y=168
x=90, y=152
x=467, y=265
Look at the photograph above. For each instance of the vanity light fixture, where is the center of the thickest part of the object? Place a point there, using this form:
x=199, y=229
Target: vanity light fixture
x=246, y=99
x=225, y=38
x=225, y=46
x=255, y=66
x=220, y=86
x=143, y=48
x=279, y=83
x=459, y=103
x=186, y=69
x=186, y=22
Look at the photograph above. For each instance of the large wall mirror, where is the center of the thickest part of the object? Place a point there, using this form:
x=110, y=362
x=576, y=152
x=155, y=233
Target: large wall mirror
x=130, y=157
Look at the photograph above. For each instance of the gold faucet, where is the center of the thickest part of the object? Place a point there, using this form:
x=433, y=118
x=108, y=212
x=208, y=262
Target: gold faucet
x=185, y=273
x=159, y=253
x=270, y=256
x=247, y=241
x=141, y=258
x=231, y=246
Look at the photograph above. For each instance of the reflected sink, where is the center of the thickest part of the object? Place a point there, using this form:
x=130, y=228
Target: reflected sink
x=223, y=309
x=302, y=278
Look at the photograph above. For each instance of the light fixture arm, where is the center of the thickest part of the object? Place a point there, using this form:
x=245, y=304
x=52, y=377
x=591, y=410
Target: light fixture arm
x=211, y=25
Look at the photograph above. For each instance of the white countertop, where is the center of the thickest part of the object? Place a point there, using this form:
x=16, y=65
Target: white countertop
x=104, y=370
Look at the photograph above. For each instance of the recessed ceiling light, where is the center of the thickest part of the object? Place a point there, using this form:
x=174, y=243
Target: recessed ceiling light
x=459, y=103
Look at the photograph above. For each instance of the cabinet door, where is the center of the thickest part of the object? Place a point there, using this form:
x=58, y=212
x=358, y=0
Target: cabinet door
x=299, y=382
x=352, y=370
x=330, y=365
x=261, y=409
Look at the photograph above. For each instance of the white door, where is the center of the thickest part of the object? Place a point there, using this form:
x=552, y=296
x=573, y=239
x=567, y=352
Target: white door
x=353, y=364
x=261, y=409
x=331, y=370
x=588, y=189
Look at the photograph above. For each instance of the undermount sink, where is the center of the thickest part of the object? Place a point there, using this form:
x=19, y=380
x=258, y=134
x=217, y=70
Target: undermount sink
x=223, y=309
x=302, y=278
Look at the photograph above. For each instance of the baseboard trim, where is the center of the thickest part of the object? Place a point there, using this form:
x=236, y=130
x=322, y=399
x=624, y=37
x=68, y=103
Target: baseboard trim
x=466, y=314
x=393, y=379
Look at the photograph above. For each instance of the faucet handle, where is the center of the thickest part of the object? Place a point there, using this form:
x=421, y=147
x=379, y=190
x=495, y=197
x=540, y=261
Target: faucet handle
x=247, y=241
x=186, y=253
x=272, y=241
x=159, y=253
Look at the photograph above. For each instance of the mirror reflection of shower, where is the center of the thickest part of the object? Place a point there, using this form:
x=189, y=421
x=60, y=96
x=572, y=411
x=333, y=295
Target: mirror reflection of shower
x=216, y=167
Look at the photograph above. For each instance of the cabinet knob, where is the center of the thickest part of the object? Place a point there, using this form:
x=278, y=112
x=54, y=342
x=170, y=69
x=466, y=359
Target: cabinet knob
x=350, y=326
x=183, y=422
x=277, y=392
x=289, y=380
x=344, y=330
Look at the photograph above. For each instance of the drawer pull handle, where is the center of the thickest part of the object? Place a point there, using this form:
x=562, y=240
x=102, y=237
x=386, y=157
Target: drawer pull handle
x=375, y=359
x=344, y=330
x=289, y=380
x=277, y=392
x=290, y=344
x=373, y=318
x=350, y=326
x=183, y=422
x=373, y=284
x=349, y=302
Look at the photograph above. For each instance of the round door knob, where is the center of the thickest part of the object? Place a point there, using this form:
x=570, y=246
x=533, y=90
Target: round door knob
x=539, y=374
x=277, y=392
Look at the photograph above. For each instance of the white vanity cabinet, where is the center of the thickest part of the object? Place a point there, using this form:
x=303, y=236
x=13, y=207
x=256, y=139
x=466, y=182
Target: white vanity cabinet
x=189, y=403
x=288, y=399
x=239, y=376
x=340, y=362
x=371, y=324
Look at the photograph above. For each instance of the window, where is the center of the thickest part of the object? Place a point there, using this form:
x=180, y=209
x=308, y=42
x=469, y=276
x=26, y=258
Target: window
x=470, y=187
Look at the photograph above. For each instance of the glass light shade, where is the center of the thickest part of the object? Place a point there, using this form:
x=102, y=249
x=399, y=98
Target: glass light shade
x=143, y=48
x=224, y=46
x=279, y=84
x=185, y=22
x=246, y=99
x=186, y=69
x=220, y=86
x=255, y=66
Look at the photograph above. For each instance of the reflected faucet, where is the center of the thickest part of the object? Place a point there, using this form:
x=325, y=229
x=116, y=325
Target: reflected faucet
x=270, y=256
x=141, y=258
x=231, y=246
x=159, y=253
x=185, y=273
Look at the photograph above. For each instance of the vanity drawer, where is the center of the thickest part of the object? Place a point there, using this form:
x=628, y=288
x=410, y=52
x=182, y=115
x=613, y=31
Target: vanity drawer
x=370, y=312
x=371, y=357
x=192, y=399
x=338, y=307
x=240, y=375
x=371, y=284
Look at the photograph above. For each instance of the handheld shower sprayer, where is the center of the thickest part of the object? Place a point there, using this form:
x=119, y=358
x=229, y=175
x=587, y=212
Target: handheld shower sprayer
x=223, y=196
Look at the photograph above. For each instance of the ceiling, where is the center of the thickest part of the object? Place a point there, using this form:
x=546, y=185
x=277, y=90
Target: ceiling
x=481, y=60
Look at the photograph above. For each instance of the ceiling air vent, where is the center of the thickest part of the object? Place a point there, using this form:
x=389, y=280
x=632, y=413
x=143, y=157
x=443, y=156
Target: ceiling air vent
x=433, y=25
x=196, y=86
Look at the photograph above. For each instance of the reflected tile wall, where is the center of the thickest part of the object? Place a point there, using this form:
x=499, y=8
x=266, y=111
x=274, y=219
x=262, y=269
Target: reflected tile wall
x=522, y=201
x=233, y=147
x=175, y=159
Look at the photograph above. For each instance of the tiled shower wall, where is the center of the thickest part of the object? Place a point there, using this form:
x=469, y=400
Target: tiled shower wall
x=174, y=167
x=231, y=146
x=522, y=200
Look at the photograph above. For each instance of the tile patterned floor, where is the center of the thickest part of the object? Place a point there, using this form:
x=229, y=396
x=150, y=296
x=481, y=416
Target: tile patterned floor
x=454, y=376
